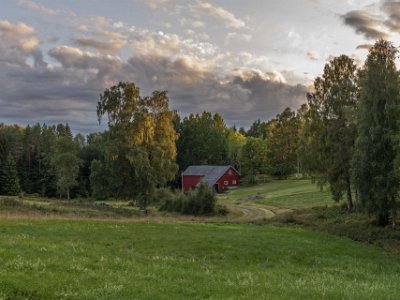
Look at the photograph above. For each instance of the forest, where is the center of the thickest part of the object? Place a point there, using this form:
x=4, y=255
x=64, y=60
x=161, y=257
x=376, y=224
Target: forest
x=346, y=137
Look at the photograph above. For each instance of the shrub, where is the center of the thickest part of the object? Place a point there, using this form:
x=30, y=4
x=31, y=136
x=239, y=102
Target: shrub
x=222, y=210
x=162, y=195
x=199, y=202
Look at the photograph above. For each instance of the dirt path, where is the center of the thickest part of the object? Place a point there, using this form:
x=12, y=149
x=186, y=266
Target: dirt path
x=249, y=212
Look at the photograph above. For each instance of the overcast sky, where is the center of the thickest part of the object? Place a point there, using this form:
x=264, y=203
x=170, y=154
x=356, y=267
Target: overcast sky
x=247, y=60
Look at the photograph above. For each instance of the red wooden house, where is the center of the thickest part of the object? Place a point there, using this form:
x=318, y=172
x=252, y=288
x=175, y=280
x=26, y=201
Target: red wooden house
x=217, y=177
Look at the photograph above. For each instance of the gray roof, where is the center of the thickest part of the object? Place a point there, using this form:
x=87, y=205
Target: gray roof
x=211, y=173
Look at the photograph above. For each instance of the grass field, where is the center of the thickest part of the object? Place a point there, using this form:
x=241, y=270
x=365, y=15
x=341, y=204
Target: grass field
x=110, y=260
x=46, y=258
x=285, y=194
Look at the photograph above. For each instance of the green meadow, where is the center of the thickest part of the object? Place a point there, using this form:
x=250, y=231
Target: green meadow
x=60, y=259
x=126, y=256
x=284, y=194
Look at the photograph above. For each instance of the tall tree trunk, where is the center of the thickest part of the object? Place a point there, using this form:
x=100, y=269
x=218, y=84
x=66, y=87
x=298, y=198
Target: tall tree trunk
x=143, y=205
x=349, y=196
x=68, y=193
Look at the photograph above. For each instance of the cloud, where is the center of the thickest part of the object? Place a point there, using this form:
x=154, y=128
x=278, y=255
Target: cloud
x=10, y=31
x=94, y=24
x=95, y=65
x=364, y=23
x=197, y=76
x=162, y=44
x=154, y=4
x=364, y=47
x=192, y=23
x=36, y=6
x=313, y=55
x=392, y=9
x=17, y=43
x=110, y=46
x=241, y=95
x=227, y=17
x=237, y=37
x=100, y=33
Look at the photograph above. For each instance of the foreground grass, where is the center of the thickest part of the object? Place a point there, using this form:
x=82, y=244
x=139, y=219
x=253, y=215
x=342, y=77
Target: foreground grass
x=283, y=193
x=115, y=260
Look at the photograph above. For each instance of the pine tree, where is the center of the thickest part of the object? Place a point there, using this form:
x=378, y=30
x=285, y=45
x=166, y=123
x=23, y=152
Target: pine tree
x=376, y=149
x=9, y=182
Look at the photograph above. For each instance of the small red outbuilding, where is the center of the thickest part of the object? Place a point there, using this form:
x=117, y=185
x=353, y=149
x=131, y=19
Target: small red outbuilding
x=217, y=177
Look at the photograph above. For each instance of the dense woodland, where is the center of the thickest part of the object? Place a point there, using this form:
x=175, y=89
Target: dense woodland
x=346, y=137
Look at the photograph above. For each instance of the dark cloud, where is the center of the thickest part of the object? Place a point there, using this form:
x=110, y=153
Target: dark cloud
x=67, y=88
x=241, y=97
x=364, y=47
x=69, y=92
x=365, y=24
x=392, y=9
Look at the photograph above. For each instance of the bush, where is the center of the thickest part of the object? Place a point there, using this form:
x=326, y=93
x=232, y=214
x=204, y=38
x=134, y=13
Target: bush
x=163, y=195
x=222, y=210
x=199, y=202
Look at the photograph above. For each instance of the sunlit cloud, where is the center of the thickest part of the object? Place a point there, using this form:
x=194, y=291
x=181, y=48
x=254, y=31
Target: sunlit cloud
x=36, y=6
x=227, y=17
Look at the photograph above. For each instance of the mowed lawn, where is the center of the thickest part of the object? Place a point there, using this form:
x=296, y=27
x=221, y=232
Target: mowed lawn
x=61, y=259
x=284, y=193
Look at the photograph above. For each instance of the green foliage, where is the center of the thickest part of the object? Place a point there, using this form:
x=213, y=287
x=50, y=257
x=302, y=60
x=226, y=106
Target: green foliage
x=258, y=130
x=332, y=117
x=141, y=151
x=235, y=142
x=65, y=162
x=282, y=144
x=9, y=182
x=202, y=201
x=99, y=179
x=377, y=146
x=253, y=158
x=202, y=141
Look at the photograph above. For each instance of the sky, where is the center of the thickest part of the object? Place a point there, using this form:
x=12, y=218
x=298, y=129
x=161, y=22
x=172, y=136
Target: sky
x=246, y=60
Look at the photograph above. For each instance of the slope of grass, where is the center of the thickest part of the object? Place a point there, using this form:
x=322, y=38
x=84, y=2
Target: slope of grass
x=110, y=260
x=283, y=193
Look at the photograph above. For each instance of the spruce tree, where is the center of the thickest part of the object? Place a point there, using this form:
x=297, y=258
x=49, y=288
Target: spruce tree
x=375, y=170
x=9, y=177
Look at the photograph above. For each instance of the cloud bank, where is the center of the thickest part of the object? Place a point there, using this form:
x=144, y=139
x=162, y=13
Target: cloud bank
x=63, y=83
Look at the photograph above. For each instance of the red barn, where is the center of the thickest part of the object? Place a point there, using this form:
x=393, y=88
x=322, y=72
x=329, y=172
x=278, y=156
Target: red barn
x=217, y=177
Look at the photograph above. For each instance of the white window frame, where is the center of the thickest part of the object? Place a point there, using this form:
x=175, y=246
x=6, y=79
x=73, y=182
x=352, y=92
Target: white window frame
x=234, y=181
x=226, y=182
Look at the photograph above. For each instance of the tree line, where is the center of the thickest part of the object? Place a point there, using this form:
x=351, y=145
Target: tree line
x=346, y=136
